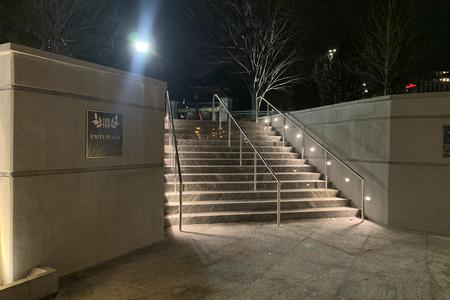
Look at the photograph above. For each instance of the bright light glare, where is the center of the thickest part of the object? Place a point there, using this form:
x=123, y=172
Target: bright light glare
x=312, y=149
x=299, y=135
x=141, y=47
x=286, y=127
x=347, y=179
x=368, y=198
x=328, y=163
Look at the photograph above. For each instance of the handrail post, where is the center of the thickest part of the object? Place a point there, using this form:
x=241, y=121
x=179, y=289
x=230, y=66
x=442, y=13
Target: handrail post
x=180, y=209
x=267, y=115
x=326, y=170
x=278, y=203
x=256, y=110
x=175, y=170
x=255, y=170
x=240, y=148
x=363, y=192
x=220, y=119
x=171, y=144
x=283, y=130
x=229, y=131
x=213, y=108
x=303, y=145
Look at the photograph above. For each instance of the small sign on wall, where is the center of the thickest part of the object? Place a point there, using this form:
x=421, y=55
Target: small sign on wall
x=104, y=134
x=447, y=141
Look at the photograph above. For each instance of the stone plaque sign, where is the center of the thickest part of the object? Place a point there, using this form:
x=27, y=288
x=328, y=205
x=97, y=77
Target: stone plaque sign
x=104, y=134
x=447, y=141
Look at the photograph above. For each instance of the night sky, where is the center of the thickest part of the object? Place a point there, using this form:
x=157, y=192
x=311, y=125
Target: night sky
x=326, y=24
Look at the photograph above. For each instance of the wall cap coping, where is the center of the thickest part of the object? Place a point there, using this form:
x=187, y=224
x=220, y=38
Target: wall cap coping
x=16, y=48
x=415, y=96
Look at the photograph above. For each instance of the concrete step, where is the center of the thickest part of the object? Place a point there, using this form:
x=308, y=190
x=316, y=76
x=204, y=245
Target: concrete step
x=232, y=177
x=237, y=169
x=262, y=216
x=224, y=142
x=235, y=137
x=245, y=148
x=235, y=162
x=234, y=131
x=254, y=205
x=250, y=194
x=218, y=190
x=232, y=155
x=199, y=123
x=247, y=185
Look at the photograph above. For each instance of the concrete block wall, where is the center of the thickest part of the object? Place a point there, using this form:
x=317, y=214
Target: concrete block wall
x=396, y=143
x=59, y=208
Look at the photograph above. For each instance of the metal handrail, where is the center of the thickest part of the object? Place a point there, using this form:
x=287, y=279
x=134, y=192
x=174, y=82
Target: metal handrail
x=256, y=153
x=176, y=159
x=304, y=130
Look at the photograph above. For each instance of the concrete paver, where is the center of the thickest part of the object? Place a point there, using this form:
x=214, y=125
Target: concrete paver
x=311, y=259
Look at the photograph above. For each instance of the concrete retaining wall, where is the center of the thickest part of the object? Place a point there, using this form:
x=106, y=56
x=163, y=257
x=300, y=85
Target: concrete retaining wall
x=396, y=144
x=59, y=208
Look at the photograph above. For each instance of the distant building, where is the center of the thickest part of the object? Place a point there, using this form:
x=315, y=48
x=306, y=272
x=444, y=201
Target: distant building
x=437, y=81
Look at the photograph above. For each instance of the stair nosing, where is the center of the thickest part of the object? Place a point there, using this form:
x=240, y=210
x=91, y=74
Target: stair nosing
x=251, y=191
x=249, y=181
x=255, y=201
x=228, y=174
x=263, y=212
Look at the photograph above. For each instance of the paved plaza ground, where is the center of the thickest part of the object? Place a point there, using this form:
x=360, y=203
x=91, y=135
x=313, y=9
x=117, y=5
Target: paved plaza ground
x=317, y=259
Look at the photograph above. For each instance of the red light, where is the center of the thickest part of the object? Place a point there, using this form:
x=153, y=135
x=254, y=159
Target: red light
x=411, y=86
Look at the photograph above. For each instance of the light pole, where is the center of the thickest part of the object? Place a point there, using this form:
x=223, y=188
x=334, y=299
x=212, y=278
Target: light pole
x=365, y=90
x=331, y=53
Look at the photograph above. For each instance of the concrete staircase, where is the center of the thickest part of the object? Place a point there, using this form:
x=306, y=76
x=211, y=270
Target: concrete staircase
x=218, y=190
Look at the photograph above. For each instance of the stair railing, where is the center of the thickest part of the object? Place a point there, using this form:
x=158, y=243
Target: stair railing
x=256, y=153
x=328, y=153
x=178, y=181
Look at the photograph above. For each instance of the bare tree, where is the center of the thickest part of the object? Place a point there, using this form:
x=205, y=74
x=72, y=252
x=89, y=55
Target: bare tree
x=68, y=27
x=257, y=37
x=386, y=43
x=336, y=80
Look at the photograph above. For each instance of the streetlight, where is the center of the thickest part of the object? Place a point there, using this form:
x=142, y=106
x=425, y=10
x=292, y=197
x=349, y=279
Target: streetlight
x=332, y=53
x=365, y=89
x=140, y=43
x=142, y=47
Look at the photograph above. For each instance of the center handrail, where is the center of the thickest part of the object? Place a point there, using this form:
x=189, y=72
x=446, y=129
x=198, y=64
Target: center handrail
x=176, y=158
x=256, y=153
x=305, y=130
